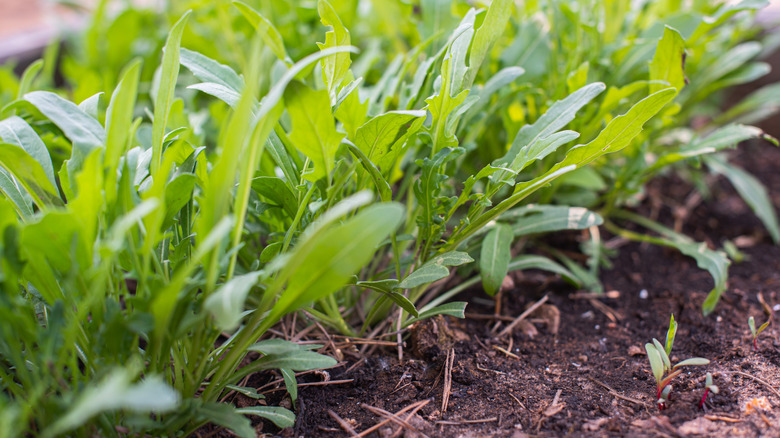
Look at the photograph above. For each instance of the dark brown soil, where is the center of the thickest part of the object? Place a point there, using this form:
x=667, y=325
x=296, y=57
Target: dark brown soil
x=592, y=378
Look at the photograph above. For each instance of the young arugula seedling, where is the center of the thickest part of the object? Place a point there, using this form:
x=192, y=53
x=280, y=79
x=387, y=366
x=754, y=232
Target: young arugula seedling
x=662, y=367
x=752, y=322
x=755, y=332
x=708, y=387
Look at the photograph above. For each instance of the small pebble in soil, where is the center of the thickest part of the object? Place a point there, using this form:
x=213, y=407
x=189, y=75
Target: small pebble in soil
x=776, y=308
x=587, y=315
x=643, y=294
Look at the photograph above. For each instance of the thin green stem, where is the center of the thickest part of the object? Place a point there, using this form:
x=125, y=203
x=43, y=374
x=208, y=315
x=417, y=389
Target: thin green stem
x=614, y=229
x=304, y=204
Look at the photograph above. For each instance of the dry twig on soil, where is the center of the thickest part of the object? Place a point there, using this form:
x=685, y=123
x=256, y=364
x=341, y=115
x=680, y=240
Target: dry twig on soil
x=508, y=329
x=611, y=313
x=461, y=422
x=412, y=409
x=518, y=401
x=391, y=417
x=445, y=397
x=344, y=425
x=507, y=352
x=329, y=382
x=722, y=418
x=355, y=365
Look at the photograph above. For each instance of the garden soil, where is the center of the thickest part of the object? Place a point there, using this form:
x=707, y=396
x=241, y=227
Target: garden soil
x=576, y=366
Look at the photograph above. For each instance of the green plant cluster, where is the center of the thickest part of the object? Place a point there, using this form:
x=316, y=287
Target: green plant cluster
x=189, y=189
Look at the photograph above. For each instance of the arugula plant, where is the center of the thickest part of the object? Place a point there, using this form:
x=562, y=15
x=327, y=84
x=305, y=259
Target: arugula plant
x=159, y=221
x=122, y=261
x=501, y=68
x=408, y=156
x=663, y=370
x=648, y=50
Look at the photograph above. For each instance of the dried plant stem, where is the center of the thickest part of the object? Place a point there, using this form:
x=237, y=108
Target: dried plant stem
x=445, y=397
x=344, y=425
x=391, y=417
x=508, y=329
x=460, y=422
x=412, y=409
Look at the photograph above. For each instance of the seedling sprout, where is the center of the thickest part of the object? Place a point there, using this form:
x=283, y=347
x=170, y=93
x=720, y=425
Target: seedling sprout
x=661, y=365
x=752, y=322
x=708, y=387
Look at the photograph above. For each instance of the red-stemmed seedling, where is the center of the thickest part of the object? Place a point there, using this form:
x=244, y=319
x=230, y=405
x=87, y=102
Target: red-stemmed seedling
x=755, y=332
x=708, y=388
x=752, y=322
x=663, y=370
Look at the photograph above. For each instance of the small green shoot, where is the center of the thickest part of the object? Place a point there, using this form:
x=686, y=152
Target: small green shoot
x=733, y=252
x=752, y=322
x=661, y=365
x=708, y=388
x=670, y=334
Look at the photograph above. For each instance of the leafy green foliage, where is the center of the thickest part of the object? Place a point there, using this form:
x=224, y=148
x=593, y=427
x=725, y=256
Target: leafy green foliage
x=267, y=177
x=314, y=129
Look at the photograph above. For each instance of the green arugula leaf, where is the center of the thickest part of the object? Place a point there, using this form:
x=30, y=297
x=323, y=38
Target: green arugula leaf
x=16, y=194
x=209, y=70
x=164, y=92
x=668, y=62
x=116, y=391
x=29, y=172
x=534, y=142
x=494, y=257
x=79, y=127
x=334, y=68
x=296, y=360
x=487, y=34
x=456, y=309
x=314, y=128
x=119, y=115
x=15, y=130
x=434, y=269
x=226, y=304
x=281, y=417
x=721, y=138
x=617, y=134
x=532, y=261
x=545, y=218
x=270, y=35
x=382, y=133
x=328, y=258
x=227, y=416
x=751, y=190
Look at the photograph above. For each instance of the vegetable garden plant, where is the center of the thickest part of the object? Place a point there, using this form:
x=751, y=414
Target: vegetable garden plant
x=157, y=221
